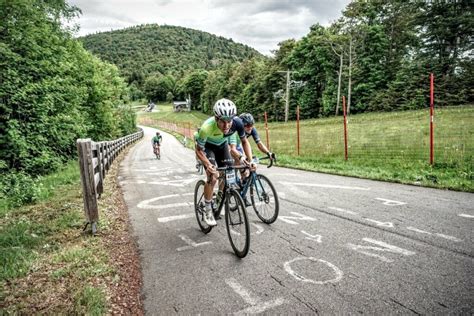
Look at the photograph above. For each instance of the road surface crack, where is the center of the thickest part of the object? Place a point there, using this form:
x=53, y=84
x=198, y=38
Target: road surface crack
x=311, y=307
x=397, y=302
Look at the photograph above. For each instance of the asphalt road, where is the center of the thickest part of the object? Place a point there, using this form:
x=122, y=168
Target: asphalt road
x=340, y=245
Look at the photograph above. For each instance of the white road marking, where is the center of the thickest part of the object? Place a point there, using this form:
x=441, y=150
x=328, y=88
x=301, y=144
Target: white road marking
x=145, y=203
x=390, y=202
x=242, y=292
x=174, y=218
x=329, y=186
x=448, y=237
x=418, y=230
x=257, y=309
x=288, y=219
x=436, y=234
x=317, y=238
x=259, y=228
x=299, y=277
x=298, y=192
x=257, y=306
x=191, y=243
x=384, y=224
x=151, y=168
x=466, y=215
x=342, y=210
x=386, y=248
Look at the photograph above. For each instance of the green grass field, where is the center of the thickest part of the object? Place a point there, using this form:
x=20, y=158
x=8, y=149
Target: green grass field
x=390, y=146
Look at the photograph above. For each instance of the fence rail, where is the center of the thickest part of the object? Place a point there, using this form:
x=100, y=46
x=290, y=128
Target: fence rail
x=95, y=159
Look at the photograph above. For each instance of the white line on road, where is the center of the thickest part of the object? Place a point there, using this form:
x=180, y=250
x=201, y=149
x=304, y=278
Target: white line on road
x=384, y=247
x=418, y=230
x=316, y=238
x=448, y=237
x=390, y=202
x=299, y=277
x=191, y=243
x=259, y=228
x=466, y=215
x=342, y=210
x=329, y=186
x=436, y=234
x=257, y=309
x=384, y=224
x=288, y=219
x=242, y=292
x=257, y=306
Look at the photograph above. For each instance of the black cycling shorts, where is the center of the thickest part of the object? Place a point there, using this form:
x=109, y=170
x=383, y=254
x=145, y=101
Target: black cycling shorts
x=219, y=155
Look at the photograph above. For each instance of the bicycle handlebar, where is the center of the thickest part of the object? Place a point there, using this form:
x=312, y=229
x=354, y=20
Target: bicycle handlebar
x=267, y=157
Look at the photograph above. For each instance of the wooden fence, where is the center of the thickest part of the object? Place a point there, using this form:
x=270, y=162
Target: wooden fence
x=95, y=159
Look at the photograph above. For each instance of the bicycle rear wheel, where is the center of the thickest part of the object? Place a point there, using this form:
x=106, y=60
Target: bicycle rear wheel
x=264, y=199
x=199, y=206
x=236, y=220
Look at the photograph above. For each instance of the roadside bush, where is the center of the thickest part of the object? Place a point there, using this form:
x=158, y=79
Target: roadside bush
x=18, y=188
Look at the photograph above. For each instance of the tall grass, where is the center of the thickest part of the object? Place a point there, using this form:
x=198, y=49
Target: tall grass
x=392, y=146
x=44, y=236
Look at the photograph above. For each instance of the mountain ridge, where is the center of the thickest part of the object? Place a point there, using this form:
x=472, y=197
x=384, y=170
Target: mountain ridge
x=142, y=50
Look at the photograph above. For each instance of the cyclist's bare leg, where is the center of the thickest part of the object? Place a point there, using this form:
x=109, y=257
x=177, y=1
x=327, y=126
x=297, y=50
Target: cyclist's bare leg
x=209, y=186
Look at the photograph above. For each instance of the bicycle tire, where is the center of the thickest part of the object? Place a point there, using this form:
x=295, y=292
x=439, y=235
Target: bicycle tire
x=237, y=217
x=267, y=213
x=199, y=206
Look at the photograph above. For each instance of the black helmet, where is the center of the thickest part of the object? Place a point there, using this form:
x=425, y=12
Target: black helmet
x=247, y=118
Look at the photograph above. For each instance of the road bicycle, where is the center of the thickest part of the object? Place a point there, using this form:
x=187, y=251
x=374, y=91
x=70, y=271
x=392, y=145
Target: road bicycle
x=157, y=152
x=263, y=196
x=236, y=220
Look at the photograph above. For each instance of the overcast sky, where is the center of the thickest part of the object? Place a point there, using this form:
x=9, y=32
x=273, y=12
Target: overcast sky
x=261, y=24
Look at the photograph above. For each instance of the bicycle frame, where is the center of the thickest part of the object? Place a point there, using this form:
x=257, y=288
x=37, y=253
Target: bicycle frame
x=253, y=180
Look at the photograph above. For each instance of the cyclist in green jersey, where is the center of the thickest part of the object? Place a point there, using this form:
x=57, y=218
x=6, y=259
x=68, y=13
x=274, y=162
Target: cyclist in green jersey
x=156, y=142
x=213, y=149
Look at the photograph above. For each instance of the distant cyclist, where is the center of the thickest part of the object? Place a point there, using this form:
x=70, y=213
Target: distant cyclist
x=213, y=148
x=156, y=142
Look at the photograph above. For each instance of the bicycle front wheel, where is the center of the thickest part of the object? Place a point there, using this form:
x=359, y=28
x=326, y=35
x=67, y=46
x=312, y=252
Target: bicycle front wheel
x=236, y=220
x=199, y=206
x=264, y=199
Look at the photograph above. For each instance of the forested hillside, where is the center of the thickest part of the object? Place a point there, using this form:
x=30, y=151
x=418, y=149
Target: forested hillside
x=52, y=91
x=379, y=55
x=145, y=50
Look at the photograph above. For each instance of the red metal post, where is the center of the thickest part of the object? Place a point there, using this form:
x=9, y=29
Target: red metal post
x=431, y=119
x=298, y=129
x=266, y=130
x=345, y=126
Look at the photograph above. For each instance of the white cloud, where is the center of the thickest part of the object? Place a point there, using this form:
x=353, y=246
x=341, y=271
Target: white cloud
x=261, y=24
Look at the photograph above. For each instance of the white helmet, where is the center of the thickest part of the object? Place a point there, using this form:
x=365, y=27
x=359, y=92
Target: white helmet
x=225, y=108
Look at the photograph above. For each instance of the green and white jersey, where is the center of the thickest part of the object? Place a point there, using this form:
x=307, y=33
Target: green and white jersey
x=210, y=133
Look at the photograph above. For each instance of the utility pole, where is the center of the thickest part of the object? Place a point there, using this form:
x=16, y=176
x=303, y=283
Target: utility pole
x=287, y=103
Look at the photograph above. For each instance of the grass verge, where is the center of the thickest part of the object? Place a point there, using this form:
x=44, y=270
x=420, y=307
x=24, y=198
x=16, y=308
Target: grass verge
x=49, y=265
x=381, y=146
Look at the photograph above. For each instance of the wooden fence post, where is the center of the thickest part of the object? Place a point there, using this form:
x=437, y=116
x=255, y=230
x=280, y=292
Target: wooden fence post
x=84, y=148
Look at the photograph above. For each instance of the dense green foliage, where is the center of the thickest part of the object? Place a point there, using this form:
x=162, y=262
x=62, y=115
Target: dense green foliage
x=143, y=53
x=388, y=50
x=52, y=92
